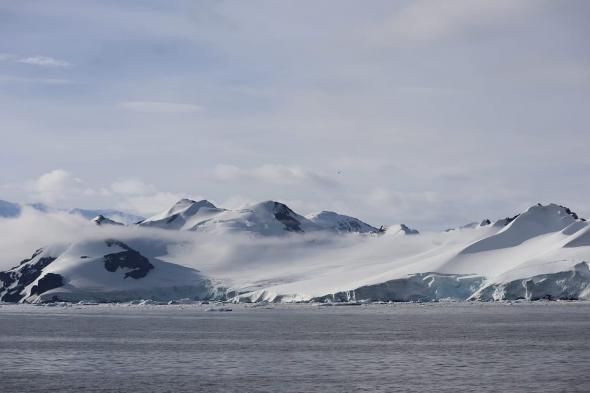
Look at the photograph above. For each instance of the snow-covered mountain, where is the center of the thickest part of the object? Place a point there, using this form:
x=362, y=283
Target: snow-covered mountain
x=545, y=244
x=268, y=218
x=183, y=215
x=541, y=253
x=340, y=223
x=99, y=270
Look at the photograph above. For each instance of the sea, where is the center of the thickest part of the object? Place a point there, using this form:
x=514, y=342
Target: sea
x=424, y=347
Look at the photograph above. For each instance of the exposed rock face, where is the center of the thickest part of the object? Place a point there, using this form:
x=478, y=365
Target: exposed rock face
x=129, y=259
x=15, y=280
x=407, y=230
x=286, y=217
x=47, y=282
x=505, y=221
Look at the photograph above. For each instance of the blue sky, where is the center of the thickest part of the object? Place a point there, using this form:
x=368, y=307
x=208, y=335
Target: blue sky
x=424, y=112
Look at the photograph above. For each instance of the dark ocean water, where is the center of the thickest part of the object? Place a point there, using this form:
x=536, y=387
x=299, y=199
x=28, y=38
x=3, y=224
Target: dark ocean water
x=541, y=347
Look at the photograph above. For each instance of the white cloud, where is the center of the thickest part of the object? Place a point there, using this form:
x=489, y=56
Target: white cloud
x=41, y=61
x=32, y=230
x=160, y=107
x=237, y=202
x=275, y=174
x=295, y=86
x=44, y=61
x=60, y=187
x=137, y=196
x=55, y=185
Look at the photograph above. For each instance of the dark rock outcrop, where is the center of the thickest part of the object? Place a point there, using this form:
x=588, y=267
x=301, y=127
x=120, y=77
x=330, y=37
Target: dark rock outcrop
x=47, y=282
x=128, y=259
x=286, y=217
x=15, y=280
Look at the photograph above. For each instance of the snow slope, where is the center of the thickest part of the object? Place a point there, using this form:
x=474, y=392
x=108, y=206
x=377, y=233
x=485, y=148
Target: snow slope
x=340, y=223
x=544, y=240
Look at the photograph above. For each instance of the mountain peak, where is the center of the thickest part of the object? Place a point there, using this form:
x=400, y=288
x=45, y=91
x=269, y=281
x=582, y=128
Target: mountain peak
x=340, y=222
x=485, y=222
x=551, y=212
x=186, y=202
x=187, y=207
x=178, y=215
x=102, y=220
x=270, y=205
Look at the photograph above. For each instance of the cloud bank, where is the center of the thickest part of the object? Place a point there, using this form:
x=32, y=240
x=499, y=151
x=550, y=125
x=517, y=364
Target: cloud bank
x=424, y=112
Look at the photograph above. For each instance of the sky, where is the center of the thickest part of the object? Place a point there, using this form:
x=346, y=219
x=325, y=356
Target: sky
x=429, y=113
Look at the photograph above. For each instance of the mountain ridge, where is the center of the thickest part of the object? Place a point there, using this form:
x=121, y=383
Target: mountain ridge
x=542, y=253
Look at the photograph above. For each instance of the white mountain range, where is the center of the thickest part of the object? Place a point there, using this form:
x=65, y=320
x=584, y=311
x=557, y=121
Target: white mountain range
x=268, y=252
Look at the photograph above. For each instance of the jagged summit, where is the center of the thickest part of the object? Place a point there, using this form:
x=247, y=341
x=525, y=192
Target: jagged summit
x=485, y=222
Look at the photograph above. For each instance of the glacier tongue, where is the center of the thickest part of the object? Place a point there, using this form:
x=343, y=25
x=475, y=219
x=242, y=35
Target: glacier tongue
x=423, y=287
x=572, y=284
